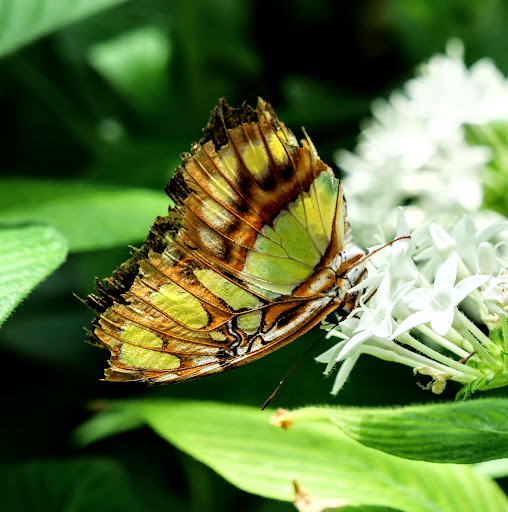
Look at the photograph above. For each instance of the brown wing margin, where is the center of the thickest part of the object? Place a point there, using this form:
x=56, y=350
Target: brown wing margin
x=165, y=229
x=191, y=369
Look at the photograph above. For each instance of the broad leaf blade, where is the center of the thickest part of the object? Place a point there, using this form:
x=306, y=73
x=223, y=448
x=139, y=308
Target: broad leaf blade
x=462, y=432
x=239, y=444
x=22, y=21
x=90, y=216
x=136, y=65
x=28, y=254
x=109, y=423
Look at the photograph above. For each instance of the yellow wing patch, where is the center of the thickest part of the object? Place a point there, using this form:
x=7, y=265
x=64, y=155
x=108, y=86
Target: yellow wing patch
x=140, y=350
x=218, y=336
x=233, y=295
x=249, y=322
x=229, y=163
x=180, y=305
x=256, y=159
x=277, y=149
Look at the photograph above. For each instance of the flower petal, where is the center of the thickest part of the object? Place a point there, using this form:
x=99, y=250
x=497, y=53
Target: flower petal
x=488, y=262
x=356, y=340
x=372, y=281
x=402, y=226
x=383, y=292
x=442, y=321
x=417, y=299
x=491, y=230
x=446, y=274
x=418, y=318
x=464, y=231
x=344, y=371
x=400, y=293
x=384, y=329
x=330, y=354
x=441, y=239
x=466, y=286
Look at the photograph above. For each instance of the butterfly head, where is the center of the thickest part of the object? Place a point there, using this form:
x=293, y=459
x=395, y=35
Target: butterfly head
x=349, y=268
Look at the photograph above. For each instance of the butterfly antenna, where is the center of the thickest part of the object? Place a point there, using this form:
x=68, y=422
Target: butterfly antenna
x=370, y=254
x=300, y=359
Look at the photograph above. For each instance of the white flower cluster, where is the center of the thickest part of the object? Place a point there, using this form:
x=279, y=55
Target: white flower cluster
x=408, y=311
x=414, y=150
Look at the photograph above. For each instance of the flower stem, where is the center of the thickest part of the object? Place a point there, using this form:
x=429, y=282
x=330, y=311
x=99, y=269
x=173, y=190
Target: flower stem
x=407, y=339
x=455, y=337
x=504, y=328
x=476, y=337
x=444, y=342
x=413, y=360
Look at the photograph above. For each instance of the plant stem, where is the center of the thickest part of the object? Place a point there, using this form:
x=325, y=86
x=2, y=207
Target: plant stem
x=444, y=342
x=413, y=360
x=476, y=337
x=407, y=339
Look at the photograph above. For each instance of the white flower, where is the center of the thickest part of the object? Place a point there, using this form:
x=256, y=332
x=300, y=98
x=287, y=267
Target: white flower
x=348, y=327
x=437, y=304
x=488, y=260
x=414, y=150
x=346, y=332
x=376, y=319
x=468, y=238
x=495, y=296
x=497, y=292
x=410, y=286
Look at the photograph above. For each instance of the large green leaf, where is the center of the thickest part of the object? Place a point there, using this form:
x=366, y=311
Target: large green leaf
x=90, y=216
x=462, y=432
x=22, y=21
x=240, y=444
x=136, y=65
x=75, y=485
x=27, y=255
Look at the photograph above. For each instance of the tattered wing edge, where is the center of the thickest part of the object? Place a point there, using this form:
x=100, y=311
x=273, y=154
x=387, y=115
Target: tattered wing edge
x=110, y=290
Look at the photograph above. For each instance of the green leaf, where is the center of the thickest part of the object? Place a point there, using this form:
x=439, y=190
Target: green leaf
x=240, y=444
x=22, y=21
x=136, y=65
x=111, y=422
x=28, y=255
x=493, y=468
x=463, y=432
x=77, y=485
x=90, y=216
x=493, y=136
x=366, y=508
x=423, y=27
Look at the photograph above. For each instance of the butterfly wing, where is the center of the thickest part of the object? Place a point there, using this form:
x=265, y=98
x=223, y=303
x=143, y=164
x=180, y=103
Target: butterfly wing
x=240, y=265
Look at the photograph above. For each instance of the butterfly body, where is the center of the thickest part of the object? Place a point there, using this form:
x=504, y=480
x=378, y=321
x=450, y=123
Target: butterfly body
x=255, y=252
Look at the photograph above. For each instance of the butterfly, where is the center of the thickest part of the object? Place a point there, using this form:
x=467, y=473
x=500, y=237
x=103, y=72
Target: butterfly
x=255, y=251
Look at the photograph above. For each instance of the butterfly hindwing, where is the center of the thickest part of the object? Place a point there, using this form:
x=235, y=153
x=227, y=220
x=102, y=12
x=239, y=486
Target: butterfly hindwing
x=240, y=265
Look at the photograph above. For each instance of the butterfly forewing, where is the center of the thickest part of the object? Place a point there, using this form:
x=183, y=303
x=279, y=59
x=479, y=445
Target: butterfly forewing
x=252, y=255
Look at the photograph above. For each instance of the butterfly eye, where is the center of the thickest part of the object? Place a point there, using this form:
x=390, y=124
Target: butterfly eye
x=356, y=274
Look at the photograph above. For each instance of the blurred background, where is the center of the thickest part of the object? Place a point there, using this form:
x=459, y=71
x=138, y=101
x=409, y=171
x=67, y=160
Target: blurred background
x=111, y=100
